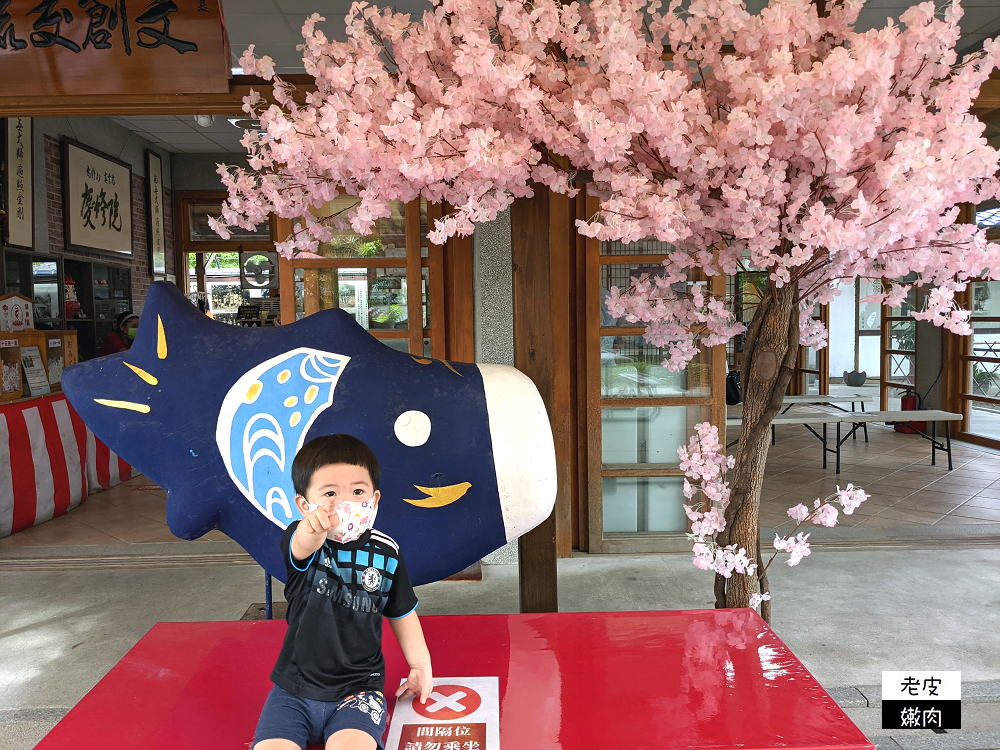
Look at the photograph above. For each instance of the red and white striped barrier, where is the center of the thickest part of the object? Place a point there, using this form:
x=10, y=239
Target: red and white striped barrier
x=49, y=460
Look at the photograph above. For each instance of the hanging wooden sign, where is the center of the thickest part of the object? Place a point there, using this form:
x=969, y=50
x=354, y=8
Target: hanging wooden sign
x=19, y=191
x=59, y=48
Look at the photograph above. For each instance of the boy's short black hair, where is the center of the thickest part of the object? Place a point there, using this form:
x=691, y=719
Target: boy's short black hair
x=332, y=449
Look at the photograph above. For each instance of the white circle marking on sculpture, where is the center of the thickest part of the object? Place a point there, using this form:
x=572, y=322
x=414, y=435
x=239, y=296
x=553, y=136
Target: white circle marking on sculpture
x=412, y=428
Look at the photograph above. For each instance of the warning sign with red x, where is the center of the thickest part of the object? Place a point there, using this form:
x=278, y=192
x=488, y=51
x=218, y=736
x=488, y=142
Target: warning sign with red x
x=462, y=713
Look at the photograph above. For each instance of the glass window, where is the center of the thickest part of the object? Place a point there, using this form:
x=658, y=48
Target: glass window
x=869, y=313
x=984, y=419
x=642, y=247
x=634, y=504
x=902, y=368
x=45, y=280
x=632, y=368
x=376, y=297
x=986, y=339
x=903, y=335
x=986, y=299
x=199, y=214
x=893, y=396
x=647, y=434
x=988, y=215
x=984, y=379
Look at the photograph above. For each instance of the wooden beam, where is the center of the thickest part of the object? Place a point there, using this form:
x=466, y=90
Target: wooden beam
x=414, y=292
x=286, y=273
x=436, y=288
x=230, y=103
x=533, y=355
x=459, y=300
x=560, y=415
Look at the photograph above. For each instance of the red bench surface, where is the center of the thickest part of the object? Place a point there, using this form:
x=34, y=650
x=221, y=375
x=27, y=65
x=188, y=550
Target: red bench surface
x=588, y=681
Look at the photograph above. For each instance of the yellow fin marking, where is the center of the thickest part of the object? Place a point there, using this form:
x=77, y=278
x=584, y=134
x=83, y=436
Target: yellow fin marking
x=311, y=393
x=151, y=379
x=291, y=401
x=161, y=339
x=294, y=419
x=130, y=405
x=283, y=376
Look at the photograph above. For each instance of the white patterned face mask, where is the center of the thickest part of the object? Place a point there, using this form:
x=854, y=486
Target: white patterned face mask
x=355, y=517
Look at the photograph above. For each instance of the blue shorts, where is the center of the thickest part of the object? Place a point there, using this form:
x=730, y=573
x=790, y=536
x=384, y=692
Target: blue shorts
x=307, y=722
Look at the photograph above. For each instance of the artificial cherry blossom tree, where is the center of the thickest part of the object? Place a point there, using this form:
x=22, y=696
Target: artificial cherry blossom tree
x=783, y=142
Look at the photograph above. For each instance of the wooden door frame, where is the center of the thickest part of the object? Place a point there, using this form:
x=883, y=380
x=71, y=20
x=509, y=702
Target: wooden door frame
x=591, y=449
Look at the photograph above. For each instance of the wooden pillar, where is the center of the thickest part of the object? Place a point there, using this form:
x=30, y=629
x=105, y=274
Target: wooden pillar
x=534, y=355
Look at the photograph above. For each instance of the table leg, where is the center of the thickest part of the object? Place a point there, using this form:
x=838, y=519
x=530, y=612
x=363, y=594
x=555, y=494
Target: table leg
x=838, y=447
x=854, y=433
x=772, y=434
x=865, y=424
x=824, y=445
x=933, y=443
x=947, y=438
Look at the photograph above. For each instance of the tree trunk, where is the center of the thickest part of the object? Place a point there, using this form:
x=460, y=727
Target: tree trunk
x=769, y=353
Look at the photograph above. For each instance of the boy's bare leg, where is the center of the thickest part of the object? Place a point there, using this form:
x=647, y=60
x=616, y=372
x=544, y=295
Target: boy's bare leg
x=349, y=739
x=277, y=745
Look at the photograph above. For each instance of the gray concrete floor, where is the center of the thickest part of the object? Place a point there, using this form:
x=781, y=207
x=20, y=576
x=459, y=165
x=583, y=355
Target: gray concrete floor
x=847, y=615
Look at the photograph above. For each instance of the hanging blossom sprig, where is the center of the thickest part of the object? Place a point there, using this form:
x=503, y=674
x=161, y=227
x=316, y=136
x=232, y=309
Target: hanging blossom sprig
x=704, y=463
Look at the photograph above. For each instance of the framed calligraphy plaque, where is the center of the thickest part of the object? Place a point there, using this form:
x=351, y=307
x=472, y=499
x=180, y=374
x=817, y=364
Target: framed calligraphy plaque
x=97, y=198
x=154, y=214
x=19, y=188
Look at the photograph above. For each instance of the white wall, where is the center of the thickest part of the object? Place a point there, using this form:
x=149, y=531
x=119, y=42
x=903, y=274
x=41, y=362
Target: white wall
x=842, y=331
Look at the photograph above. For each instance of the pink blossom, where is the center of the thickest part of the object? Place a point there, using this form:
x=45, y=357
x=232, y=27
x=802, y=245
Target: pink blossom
x=851, y=498
x=797, y=546
x=826, y=516
x=799, y=513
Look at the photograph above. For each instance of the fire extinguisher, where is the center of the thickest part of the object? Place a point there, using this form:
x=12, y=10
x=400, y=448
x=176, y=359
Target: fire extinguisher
x=909, y=403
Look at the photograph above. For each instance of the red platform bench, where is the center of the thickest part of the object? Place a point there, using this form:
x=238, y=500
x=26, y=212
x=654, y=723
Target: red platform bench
x=595, y=681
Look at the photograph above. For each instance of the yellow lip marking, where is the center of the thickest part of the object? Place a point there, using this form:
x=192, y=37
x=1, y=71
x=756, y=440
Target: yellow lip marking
x=291, y=401
x=283, y=376
x=161, y=339
x=445, y=362
x=151, y=379
x=295, y=419
x=311, y=393
x=439, y=496
x=130, y=405
x=253, y=392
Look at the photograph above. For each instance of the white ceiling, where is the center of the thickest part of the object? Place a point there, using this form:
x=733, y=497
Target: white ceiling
x=274, y=27
x=181, y=133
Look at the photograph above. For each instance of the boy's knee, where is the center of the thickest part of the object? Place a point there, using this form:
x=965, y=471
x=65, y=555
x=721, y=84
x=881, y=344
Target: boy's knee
x=276, y=745
x=350, y=739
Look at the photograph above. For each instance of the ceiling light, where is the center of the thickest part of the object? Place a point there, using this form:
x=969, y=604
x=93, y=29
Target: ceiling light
x=204, y=121
x=245, y=123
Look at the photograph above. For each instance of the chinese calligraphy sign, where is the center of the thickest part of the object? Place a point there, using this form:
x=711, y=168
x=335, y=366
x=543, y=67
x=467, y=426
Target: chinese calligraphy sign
x=154, y=212
x=19, y=187
x=61, y=47
x=98, y=201
x=462, y=713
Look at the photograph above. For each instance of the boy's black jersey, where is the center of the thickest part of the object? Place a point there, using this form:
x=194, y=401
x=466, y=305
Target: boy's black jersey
x=336, y=601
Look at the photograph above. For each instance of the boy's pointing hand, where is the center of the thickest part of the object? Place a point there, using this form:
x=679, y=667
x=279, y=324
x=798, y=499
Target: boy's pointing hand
x=322, y=520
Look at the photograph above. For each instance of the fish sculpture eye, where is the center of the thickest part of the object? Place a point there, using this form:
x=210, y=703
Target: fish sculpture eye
x=412, y=428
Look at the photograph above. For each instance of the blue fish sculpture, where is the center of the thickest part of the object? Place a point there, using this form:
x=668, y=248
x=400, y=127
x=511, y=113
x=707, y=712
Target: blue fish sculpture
x=215, y=414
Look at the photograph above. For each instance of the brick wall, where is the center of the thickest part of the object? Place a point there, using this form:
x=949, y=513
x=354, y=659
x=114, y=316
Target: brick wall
x=139, y=264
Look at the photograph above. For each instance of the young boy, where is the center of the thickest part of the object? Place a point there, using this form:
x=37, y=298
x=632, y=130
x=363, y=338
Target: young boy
x=343, y=578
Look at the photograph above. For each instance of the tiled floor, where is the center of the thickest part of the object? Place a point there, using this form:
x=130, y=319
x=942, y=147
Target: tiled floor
x=131, y=513
x=895, y=469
